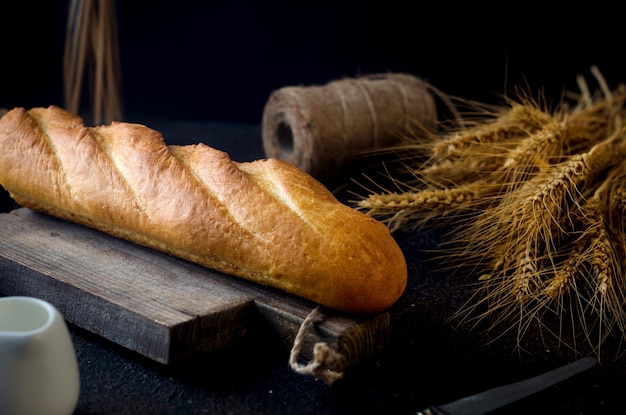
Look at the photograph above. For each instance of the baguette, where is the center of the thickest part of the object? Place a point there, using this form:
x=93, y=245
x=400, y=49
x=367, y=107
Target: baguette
x=265, y=221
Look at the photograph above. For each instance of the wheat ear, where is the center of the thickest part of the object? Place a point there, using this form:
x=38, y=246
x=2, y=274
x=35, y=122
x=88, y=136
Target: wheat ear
x=398, y=209
x=503, y=128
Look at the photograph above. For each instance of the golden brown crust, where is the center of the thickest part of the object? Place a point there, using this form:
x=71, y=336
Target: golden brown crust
x=265, y=221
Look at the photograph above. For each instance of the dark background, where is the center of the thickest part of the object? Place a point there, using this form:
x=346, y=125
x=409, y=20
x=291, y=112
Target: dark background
x=219, y=61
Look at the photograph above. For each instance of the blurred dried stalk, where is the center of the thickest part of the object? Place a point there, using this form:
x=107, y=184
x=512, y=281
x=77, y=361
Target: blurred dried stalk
x=535, y=199
x=91, y=42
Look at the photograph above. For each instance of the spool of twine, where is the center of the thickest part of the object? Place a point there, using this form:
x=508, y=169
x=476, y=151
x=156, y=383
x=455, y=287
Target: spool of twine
x=324, y=129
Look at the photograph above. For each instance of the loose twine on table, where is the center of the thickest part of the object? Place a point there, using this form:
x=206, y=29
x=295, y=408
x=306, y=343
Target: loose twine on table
x=326, y=361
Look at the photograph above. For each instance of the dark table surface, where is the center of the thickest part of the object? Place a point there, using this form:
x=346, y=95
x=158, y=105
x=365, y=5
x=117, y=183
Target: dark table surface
x=428, y=359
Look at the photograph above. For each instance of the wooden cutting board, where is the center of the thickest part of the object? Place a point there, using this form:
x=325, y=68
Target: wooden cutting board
x=164, y=308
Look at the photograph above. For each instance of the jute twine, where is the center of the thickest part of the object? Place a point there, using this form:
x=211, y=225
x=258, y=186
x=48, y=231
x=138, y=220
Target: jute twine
x=326, y=363
x=324, y=129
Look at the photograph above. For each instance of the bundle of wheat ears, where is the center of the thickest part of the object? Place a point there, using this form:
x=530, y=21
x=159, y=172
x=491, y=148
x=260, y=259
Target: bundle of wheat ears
x=534, y=200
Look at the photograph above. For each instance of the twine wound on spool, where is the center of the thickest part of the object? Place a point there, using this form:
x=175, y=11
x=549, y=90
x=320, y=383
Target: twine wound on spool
x=326, y=362
x=324, y=129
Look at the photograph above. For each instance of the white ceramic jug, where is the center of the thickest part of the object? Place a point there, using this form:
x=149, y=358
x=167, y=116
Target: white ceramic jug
x=38, y=368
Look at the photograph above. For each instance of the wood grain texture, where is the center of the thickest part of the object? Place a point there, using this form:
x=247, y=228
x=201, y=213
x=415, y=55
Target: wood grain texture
x=162, y=307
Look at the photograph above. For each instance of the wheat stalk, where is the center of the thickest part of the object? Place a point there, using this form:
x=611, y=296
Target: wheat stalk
x=420, y=206
x=91, y=42
x=502, y=128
